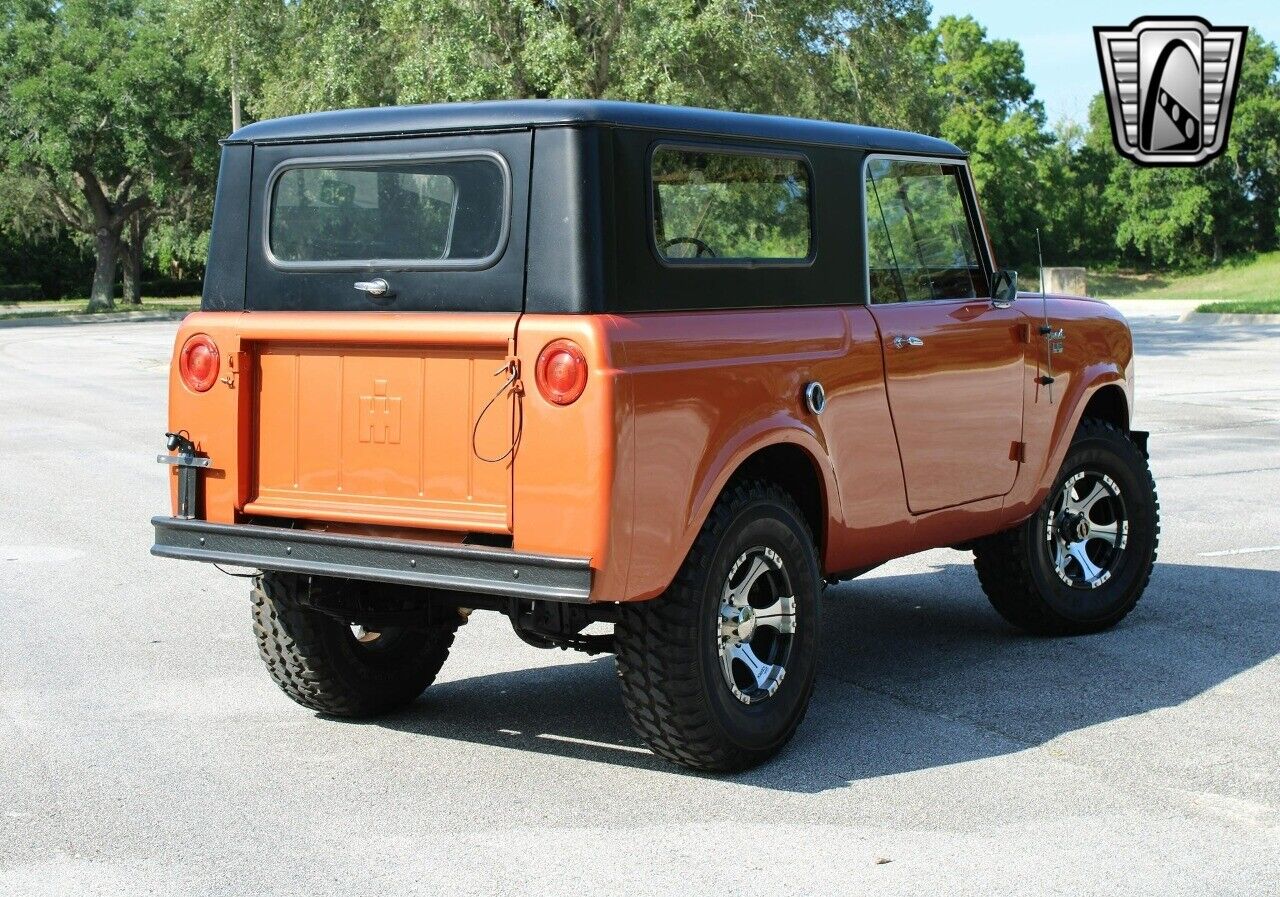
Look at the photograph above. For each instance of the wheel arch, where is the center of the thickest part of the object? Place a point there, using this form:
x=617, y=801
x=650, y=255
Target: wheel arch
x=790, y=457
x=1101, y=391
x=796, y=471
x=1109, y=403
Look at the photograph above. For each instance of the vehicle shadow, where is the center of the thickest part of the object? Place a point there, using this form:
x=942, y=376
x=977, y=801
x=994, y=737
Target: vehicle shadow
x=917, y=672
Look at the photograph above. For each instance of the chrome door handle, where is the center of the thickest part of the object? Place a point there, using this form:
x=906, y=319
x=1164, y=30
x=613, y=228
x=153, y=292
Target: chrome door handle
x=901, y=342
x=378, y=287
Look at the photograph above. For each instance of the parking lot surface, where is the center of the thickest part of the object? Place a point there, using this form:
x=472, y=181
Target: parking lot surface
x=144, y=750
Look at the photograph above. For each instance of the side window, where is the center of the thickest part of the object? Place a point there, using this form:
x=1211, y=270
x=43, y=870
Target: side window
x=730, y=206
x=920, y=244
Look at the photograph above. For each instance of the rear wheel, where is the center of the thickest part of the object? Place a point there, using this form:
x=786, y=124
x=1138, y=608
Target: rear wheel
x=335, y=667
x=1081, y=563
x=716, y=674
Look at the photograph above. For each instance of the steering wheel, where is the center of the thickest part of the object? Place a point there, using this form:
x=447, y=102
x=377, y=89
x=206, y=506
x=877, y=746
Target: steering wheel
x=701, y=249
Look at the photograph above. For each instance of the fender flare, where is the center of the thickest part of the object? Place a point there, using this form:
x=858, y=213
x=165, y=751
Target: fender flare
x=1082, y=389
x=728, y=460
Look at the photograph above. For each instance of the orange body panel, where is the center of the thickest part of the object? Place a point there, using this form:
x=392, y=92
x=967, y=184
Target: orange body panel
x=957, y=397
x=300, y=426
x=377, y=434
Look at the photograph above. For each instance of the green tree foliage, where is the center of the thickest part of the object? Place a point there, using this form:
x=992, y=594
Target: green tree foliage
x=755, y=57
x=237, y=41
x=110, y=110
x=33, y=249
x=1254, y=148
x=1078, y=223
x=989, y=108
x=882, y=54
x=101, y=110
x=1189, y=217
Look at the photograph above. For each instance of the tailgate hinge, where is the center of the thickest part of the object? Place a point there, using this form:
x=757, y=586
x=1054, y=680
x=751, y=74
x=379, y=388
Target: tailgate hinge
x=236, y=362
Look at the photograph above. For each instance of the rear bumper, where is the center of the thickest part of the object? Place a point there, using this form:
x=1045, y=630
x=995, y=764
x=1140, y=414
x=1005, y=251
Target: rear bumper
x=461, y=568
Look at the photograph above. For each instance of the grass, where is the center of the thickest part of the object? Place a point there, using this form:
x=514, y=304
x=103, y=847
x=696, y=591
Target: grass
x=1243, y=307
x=12, y=311
x=1252, y=280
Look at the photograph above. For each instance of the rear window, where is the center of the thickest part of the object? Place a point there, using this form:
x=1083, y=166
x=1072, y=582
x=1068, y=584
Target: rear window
x=411, y=213
x=710, y=206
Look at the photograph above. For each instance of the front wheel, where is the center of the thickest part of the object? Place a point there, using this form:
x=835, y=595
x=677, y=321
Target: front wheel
x=716, y=673
x=1081, y=563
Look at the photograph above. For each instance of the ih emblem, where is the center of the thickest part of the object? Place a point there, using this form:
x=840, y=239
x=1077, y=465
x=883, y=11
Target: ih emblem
x=380, y=415
x=1170, y=84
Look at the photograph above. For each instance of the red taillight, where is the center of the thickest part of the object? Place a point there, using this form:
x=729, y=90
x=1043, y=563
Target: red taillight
x=198, y=362
x=561, y=372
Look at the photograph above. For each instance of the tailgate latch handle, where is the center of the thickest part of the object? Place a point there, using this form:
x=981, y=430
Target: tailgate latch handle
x=376, y=288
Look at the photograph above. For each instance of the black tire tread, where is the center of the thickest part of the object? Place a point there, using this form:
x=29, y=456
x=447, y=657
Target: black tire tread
x=1003, y=561
x=292, y=644
x=656, y=649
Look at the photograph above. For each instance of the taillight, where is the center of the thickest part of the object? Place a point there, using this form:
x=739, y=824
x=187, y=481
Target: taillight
x=561, y=372
x=198, y=362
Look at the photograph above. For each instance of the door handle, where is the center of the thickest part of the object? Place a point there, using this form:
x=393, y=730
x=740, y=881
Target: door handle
x=378, y=287
x=902, y=342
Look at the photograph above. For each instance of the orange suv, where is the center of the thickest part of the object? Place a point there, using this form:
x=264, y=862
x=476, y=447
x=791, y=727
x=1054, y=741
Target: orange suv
x=668, y=370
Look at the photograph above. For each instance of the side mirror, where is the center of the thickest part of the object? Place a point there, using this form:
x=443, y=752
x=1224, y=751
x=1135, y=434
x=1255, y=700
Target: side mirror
x=1004, y=288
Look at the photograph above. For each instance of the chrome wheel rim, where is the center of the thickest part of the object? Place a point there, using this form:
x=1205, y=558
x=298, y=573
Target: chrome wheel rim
x=1087, y=530
x=755, y=625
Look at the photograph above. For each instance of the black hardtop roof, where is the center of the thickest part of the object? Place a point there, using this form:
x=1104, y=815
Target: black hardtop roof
x=388, y=121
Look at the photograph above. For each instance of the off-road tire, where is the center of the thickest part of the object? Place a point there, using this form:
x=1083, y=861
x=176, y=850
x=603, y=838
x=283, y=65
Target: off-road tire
x=1014, y=566
x=318, y=662
x=668, y=664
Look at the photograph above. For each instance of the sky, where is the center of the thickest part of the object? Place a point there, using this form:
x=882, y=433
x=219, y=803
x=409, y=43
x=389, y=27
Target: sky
x=1057, y=37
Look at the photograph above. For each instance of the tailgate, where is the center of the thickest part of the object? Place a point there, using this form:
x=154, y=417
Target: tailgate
x=369, y=418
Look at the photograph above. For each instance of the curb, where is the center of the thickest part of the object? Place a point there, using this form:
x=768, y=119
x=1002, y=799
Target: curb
x=106, y=318
x=1201, y=317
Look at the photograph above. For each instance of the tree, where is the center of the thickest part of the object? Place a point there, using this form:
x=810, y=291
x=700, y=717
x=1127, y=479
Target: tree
x=782, y=57
x=1254, y=147
x=332, y=54
x=238, y=42
x=1073, y=175
x=34, y=249
x=882, y=54
x=988, y=107
x=101, y=109
x=1191, y=217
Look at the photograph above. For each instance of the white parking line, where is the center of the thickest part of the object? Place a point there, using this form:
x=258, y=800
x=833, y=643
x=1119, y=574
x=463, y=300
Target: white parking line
x=1218, y=554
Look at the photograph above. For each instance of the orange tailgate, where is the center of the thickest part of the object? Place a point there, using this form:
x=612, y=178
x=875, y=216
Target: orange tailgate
x=368, y=433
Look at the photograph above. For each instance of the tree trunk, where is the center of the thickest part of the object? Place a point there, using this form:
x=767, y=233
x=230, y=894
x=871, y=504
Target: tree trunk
x=131, y=250
x=131, y=272
x=107, y=247
x=235, y=93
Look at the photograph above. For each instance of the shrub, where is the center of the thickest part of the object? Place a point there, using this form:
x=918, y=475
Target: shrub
x=19, y=292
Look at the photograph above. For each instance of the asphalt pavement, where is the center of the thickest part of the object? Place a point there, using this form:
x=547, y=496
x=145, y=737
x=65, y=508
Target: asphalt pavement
x=144, y=750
